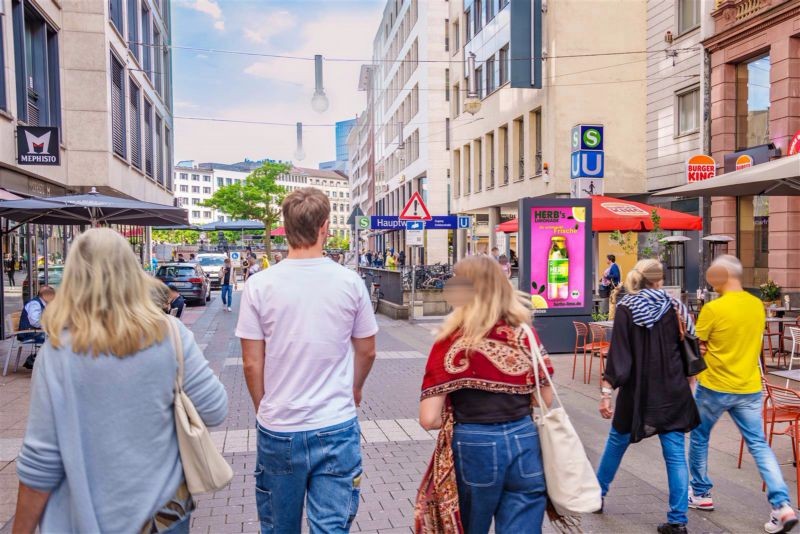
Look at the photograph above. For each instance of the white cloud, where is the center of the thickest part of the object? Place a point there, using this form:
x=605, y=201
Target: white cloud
x=208, y=7
x=272, y=25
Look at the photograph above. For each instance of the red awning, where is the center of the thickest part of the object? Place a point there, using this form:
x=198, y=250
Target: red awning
x=279, y=231
x=609, y=214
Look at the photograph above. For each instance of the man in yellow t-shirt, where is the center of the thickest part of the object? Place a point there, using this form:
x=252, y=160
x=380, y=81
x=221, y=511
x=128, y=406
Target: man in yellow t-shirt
x=732, y=328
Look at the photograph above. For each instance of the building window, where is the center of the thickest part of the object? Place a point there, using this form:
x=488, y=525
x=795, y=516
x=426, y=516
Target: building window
x=195, y=202
x=196, y=214
x=135, y=125
x=477, y=13
x=520, y=133
x=504, y=65
x=688, y=111
x=148, y=138
x=490, y=158
x=456, y=100
x=38, y=83
x=184, y=189
x=479, y=82
x=206, y=178
x=504, y=153
x=467, y=170
x=688, y=15
x=184, y=176
x=147, y=41
x=158, y=69
x=490, y=86
x=228, y=181
x=469, y=23
x=206, y=190
x=117, y=106
x=159, y=147
x=220, y=182
x=536, y=141
x=752, y=102
x=115, y=14
x=206, y=214
x=753, y=239
x=447, y=85
x=456, y=37
x=446, y=35
x=490, y=10
x=166, y=65
x=195, y=189
x=133, y=28
x=3, y=103
x=168, y=154
x=195, y=177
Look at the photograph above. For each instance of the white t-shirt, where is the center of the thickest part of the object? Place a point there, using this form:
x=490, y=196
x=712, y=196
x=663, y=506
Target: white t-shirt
x=306, y=311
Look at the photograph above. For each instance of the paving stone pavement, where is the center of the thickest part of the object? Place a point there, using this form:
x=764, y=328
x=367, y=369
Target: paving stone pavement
x=396, y=451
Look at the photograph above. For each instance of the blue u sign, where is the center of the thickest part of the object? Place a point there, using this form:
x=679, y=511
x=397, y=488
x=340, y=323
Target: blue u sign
x=587, y=164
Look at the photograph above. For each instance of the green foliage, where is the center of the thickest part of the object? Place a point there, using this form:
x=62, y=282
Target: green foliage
x=770, y=291
x=652, y=248
x=177, y=237
x=257, y=198
x=231, y=236
x=599, y=316
x=335, y=242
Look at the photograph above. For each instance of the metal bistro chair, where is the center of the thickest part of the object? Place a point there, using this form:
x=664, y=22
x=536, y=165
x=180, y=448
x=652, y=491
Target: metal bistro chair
x=770, y=415
x=599, y=348
x=786, y=403
x=581, y=343
x=794, y=332
x=12, y=331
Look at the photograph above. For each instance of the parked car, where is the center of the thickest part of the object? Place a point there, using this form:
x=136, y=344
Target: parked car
x=188, y=278
x=54, y=275
x=211, y=265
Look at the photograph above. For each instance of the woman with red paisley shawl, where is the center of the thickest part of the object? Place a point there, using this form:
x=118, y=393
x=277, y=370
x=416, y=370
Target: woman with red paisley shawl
x=477, y=389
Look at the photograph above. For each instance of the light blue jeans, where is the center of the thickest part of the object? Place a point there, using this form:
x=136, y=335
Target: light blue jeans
x=500, y=476
x=226, y=293
x=672, y=448
x=322, y=467
x=745, y=410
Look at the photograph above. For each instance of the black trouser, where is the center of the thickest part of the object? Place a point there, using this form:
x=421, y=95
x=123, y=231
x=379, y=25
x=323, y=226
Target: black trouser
x=11, y=279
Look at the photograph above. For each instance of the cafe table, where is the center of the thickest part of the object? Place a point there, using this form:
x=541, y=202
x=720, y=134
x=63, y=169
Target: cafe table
x=780, y=322
x=793, y=374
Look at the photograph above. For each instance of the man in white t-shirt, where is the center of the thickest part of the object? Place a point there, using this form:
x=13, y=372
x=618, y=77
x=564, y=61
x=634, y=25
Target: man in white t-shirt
x=308, y=343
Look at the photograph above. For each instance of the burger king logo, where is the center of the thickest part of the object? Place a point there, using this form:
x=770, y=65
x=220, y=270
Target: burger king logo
x=743, y=161
x=700, y=167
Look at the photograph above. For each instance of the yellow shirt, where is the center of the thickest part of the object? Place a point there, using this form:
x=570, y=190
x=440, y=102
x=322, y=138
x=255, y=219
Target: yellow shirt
x=733, y=327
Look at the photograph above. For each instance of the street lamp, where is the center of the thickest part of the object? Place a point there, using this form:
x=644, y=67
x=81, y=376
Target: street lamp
x=319, y=102
x=299, y=153
x=472, y=104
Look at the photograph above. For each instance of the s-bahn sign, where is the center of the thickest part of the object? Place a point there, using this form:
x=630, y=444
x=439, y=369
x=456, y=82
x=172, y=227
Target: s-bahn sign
x=38, y=145
x=700, y=167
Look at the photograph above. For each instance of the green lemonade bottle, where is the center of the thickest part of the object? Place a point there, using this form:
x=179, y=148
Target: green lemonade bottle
x=558, y=269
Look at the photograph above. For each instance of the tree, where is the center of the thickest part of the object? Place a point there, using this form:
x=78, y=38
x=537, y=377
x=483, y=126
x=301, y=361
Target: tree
x=179, y=237
x=257, y=198
x=652, y=247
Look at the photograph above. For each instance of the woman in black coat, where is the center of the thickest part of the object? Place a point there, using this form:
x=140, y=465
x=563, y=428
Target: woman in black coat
x=655, y=397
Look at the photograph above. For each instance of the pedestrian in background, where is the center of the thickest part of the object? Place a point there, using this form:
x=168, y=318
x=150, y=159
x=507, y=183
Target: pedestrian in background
x=11, y=267
x=391, y=262
x=612, y=277
x=277, y=257
x=401, y=259
x=655, y=398
x=732, y=327
x=31, y=319
x=481, y=369
x=505, y=265
x=495, y=254
x=308, y=343
x=176, y=301
x=100, y=452
x=227, y=285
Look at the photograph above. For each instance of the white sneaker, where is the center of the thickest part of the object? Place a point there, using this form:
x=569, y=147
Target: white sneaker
x=229, y=308
x=781, y=519
x=700, y=502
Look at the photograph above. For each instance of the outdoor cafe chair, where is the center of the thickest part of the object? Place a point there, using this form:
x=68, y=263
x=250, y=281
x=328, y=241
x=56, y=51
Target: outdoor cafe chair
x=785, y=405
x=769, y=346
x=599, y=348
x=769, y=415
x=581, y=343
x=12, y=330
x=794, y=331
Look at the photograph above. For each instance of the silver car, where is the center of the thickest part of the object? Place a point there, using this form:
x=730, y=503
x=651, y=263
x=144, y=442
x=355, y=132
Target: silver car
x=211, y=264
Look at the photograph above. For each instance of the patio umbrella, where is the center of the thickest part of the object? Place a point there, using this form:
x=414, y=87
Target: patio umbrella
x=609, y=214
x=91, y=208
x=232, y=226
x=780, y=177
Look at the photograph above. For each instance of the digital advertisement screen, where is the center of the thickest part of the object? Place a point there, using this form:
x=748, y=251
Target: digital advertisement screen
x=558, y=260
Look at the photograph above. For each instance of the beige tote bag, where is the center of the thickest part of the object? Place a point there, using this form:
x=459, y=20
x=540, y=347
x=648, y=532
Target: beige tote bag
x=204, y=468
x=571, y=483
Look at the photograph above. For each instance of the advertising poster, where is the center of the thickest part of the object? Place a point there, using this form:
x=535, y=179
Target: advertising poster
x=558, y=260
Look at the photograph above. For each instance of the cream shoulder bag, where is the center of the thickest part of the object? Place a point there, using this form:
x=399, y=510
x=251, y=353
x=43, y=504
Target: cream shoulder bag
x=571, y=483
x=204, y=468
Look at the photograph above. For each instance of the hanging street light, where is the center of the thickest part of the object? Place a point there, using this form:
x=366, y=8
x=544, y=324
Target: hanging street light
x=319, y=102
x=472, y=104
x=299, y=153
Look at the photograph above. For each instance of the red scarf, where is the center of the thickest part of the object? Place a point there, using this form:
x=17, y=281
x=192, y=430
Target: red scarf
x=500, y=363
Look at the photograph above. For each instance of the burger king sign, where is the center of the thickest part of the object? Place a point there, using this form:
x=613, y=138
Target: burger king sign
x=700, y=167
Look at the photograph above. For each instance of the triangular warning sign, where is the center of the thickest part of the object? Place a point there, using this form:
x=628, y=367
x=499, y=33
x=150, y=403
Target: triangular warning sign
x=415, y=210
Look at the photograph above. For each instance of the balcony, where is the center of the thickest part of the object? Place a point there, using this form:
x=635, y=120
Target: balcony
x=728, y=13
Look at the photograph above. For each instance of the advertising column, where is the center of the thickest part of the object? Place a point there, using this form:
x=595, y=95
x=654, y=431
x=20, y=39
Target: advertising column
x=555, y=266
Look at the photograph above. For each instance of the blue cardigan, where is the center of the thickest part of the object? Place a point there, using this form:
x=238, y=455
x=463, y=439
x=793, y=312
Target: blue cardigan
x=101, y=433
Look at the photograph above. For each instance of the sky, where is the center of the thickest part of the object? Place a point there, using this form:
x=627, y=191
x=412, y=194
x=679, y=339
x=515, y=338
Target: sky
x=248, y=87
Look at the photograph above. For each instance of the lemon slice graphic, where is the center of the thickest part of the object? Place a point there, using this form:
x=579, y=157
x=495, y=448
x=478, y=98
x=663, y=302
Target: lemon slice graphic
x=538, y=302
x=579, y=214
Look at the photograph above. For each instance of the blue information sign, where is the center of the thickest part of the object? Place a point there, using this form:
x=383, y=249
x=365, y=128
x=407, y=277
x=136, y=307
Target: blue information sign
x=438, y=222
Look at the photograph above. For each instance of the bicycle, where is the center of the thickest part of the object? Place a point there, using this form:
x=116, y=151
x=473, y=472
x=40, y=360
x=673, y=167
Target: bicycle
x=375, y=293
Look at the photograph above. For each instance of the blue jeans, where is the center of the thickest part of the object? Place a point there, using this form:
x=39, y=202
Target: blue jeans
x=672, y=448
x=226, y=292
x=321, y=466
x=745, y=410
x=500, y=476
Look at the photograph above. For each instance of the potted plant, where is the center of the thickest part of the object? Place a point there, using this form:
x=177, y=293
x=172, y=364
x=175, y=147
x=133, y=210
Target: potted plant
x=770, y=293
